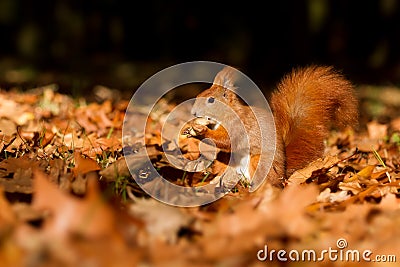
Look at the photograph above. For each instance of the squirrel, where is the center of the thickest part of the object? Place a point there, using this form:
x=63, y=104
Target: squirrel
x=305, y=105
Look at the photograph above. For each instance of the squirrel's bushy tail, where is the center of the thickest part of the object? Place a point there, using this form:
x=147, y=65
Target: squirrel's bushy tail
x=307, y=103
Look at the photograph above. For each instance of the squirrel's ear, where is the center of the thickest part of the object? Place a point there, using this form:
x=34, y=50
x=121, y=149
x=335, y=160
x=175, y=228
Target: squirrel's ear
x=226, y=78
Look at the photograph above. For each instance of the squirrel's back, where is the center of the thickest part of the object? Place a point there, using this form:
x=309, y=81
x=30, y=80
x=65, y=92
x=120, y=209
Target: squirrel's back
x=307, y=103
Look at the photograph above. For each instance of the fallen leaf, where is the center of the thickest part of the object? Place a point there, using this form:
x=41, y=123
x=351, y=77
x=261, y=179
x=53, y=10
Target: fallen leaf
x=84, y=165
x=395, y=124
x=300, y=176
x=376, y=130
x=16, y=174
x=7, y=215
x=366, y=172
x=89, y=217
x=162, y=221
x=135, y=160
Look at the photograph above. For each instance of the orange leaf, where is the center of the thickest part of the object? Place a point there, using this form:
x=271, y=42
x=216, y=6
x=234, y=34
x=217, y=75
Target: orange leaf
x=90, y=217
x=7, y=215
x=84, y=165
x=367, y=171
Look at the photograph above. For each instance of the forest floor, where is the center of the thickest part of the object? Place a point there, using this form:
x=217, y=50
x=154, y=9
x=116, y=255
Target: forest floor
x=67, y=197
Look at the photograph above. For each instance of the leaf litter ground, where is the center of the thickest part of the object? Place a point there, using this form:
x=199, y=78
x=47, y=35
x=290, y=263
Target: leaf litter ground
x=67, y=197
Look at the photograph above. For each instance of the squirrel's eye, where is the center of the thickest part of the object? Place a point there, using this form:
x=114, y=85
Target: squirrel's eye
x=210, y=100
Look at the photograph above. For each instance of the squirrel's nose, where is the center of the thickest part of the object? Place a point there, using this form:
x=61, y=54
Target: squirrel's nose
x=194, y=113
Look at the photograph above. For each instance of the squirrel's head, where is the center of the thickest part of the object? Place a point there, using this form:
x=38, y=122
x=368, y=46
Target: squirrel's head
x=217, y=101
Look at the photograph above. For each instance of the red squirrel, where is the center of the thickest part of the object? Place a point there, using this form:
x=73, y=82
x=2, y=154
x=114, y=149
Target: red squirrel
x=305, y=105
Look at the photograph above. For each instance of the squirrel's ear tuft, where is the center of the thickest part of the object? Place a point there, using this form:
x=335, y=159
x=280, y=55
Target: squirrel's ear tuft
x=226, y=78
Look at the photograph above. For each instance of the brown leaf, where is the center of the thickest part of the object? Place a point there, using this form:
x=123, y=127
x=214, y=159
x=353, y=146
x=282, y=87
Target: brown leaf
x=395, y=124
x=20, y=170
x=18, y=113
x=366, y=144
x=7, y=215
x=115, y=170
x=153, y=213
x=136, y=160
x=366, y=172
x=8, y=127
x=376, y=130
x=290, y=209
x=84, y=165
x=90, y=217
x=97, y=146
x=300, y=176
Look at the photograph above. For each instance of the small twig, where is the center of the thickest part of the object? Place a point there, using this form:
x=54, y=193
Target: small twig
x=205, y=177
x=183, y=178
x=379, y=158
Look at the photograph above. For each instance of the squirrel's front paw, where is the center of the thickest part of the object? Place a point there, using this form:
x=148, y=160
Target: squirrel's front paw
x=195, y=130
x=200, y=129
x=189, y=132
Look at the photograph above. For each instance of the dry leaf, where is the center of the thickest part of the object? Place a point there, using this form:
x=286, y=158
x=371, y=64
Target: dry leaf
x=90, y=217
x=7, y=215
x=366, y=172
x=83, y=165
x=20, y=170
x=395, y=124
x=300, y=176
x=162, y=221
x=376, y=130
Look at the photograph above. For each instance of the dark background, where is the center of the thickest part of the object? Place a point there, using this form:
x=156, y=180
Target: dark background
x=78, y=44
